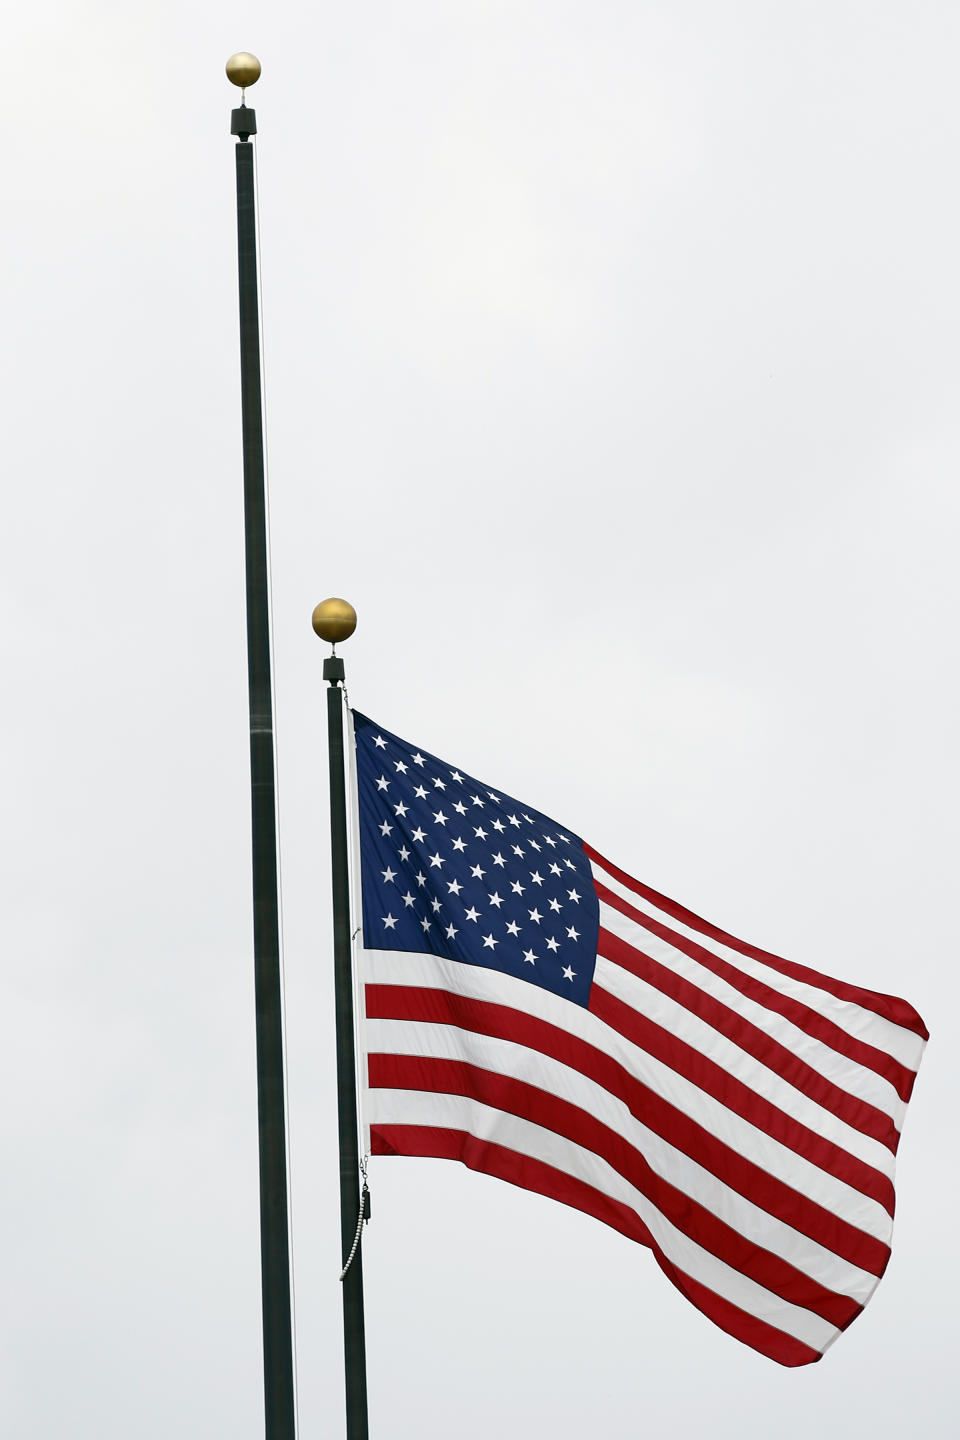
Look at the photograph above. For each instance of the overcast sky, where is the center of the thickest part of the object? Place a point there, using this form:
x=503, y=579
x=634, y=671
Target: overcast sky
x=612, y=372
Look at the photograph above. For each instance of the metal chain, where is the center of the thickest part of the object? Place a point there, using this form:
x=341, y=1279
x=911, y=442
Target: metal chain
x=362, y=1218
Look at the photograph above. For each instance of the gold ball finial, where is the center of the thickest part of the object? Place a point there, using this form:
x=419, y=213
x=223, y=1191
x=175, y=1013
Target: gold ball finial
x=334, y=620
x=243, y=69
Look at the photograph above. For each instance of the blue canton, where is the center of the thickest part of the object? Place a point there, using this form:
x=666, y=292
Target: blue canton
x=450, y=867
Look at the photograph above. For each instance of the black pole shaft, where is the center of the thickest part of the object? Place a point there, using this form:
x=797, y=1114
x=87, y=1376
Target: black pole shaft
x=354, y=1342
x=279, y=1410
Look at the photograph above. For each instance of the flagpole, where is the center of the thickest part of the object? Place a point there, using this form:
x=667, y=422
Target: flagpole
x=279, y=1407
x=335, y=620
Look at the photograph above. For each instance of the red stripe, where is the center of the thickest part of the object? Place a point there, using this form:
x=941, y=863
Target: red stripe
x=785, y=1349
x=542, y=1179
x=505, y=1164
x=889, y=1007
x=515, y=1097
x=441, y=1007
x=706, y=1075
x=806, y=1019
x=868, y=1119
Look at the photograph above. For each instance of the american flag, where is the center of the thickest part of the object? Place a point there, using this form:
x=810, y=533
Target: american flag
x=534, y=1012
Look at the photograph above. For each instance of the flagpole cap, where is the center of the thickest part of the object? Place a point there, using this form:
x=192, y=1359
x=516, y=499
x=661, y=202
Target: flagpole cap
x=334, y=620
x=243, y=69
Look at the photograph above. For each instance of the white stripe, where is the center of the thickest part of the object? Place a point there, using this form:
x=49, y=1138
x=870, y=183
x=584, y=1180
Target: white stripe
x=856, y=1079
x=858, y=1021
x=456, y=1112
x=506, y=1057
x=659, y=1008
x=386, y=967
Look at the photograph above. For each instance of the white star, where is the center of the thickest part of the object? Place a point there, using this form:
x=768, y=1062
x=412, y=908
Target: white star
x=419, y=834
x=400, y=809
x=574, y=896
x=459, y=844
x=477, y=801
x=385, y=828
x=495, y=900
x=555, y=869
x=389, y=921
x=513, y=928
x=439, y=818
x=564, y=838
x=407, y=899
x=488, y=942
x=535, y=845
x=420, y=878
x=536, y=877
x=404, y=853
x=479, y=831
x=498, y=859
x=529, y=956
x=513, y=820
x=451, y=931
x=379, y=741
x=473, y=915
x=382, y=783
x=417, y=758
x=435, y=903
x=494, y=798
x=551, y=842
x=517, y=851
x=555, y=906
x=568, y=973
x=436, y=862
x=477, y=872
x=517, y=888
x=455, y=774
x=420, y=793
x=526, y=817
x=553, y=945
x=454, y=887
x=439, y=784
x=535, y=916
x=388, y=875
x=400, y=766
x=569, y=864
x=574, y=934
x=425, y=923
x=460, y=808
x=499, y=826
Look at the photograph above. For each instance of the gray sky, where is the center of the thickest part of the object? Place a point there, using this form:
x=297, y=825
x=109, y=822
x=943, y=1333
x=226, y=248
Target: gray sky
x=612, y=373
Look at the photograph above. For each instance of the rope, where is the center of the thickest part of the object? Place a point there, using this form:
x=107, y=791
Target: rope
x=362, y=1218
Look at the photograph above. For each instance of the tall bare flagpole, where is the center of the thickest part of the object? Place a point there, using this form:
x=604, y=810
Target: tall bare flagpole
x=279, y=1409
